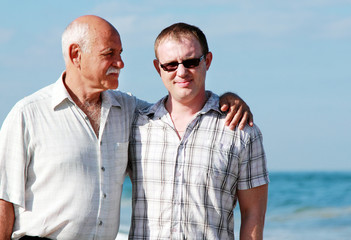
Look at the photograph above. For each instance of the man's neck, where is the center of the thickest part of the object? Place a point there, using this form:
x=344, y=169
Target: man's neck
x=88, y=101
x=81, y=94
x=182, y=113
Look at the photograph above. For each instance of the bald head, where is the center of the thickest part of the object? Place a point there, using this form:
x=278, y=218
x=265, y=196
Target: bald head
x=84, y=31
x=95, y=23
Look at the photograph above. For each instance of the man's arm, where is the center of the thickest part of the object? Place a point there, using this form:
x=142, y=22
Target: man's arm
x=238, y=111
x=253, y=204
x=7, y=218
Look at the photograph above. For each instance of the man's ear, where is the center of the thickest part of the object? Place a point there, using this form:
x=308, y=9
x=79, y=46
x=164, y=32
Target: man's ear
x=209, y=57
x=157, y=66
x=75, y=54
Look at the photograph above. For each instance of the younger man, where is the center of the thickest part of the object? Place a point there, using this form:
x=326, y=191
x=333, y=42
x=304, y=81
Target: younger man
x=188, y=170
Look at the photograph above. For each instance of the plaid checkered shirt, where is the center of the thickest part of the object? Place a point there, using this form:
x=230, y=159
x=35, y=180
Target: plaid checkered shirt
x=187, y=188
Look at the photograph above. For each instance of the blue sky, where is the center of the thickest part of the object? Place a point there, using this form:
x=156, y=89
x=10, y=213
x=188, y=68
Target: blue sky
x=290, y=61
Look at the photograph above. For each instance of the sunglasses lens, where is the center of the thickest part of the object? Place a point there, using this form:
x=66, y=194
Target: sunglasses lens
x=191, y=63
x=170, y=66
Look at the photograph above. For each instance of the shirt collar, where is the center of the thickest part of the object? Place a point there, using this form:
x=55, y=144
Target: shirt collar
x=60, y=95
x=158, y=109
x=109, y=98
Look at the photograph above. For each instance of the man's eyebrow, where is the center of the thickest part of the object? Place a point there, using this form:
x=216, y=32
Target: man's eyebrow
x=106, y=50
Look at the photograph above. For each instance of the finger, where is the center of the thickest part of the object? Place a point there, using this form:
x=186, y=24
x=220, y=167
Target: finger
x=251, y=120
x=224, y=103
x=230, y=115
x=244, y=120
x=224, y=107
x=238, y=115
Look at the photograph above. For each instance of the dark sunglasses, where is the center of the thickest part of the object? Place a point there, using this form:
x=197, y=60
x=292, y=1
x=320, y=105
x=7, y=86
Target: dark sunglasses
x=189, y=63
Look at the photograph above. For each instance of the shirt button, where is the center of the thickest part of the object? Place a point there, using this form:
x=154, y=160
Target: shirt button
x=100, y=223
x=104, y=195
x=103, y=169
x=178, y=174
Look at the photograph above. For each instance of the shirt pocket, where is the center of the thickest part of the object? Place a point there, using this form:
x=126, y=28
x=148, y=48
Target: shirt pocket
x=211, y=161
x=220, y=158
x=121, y=157
x=221, y=169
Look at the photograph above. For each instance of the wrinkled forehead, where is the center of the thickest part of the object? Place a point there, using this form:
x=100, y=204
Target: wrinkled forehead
x=106, y=38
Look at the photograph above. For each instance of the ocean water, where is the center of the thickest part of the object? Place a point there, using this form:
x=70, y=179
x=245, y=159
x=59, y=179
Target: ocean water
x=301, y=206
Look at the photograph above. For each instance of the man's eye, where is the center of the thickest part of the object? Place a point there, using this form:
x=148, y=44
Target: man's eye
x=172, y=64
x=107, y=54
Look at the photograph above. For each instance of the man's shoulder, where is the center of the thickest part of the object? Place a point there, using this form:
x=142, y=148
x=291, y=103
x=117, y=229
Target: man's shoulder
x=214, y=121
x=117, y=94
x=40, y=96
x=39, y=101
x=126, y=101
x=249, y=134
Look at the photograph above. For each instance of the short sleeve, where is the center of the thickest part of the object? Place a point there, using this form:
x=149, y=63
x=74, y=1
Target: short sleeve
x=253, y=163
x=13, y=157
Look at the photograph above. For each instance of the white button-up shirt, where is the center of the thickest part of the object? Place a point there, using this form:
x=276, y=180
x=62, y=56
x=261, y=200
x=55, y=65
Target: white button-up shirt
x=64, y=181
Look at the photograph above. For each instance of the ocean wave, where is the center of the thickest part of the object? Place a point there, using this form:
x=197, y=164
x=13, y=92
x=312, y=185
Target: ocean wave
x=310, y=212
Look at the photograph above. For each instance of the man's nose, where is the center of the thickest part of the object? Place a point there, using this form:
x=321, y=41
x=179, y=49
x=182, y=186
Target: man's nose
x=181, y=70
x=118, y=62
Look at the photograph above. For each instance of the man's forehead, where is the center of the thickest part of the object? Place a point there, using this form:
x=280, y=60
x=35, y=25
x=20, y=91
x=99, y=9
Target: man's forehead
x=179, y=38
x=108, y=42
x=184, y=44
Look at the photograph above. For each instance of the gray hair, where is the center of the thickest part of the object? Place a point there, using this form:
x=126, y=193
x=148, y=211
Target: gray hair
x=75, y=33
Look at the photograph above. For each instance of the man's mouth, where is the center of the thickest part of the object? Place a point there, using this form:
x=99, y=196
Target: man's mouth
x=183, y=83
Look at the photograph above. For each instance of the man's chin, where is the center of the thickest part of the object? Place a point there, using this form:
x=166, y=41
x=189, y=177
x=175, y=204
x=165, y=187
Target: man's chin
x=111, y=85
x=114, y=87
